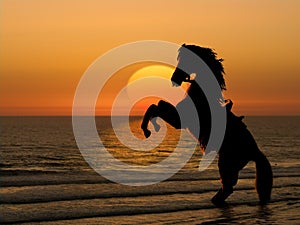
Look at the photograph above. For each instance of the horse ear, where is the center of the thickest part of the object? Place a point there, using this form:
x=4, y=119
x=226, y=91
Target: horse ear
x=184, y=45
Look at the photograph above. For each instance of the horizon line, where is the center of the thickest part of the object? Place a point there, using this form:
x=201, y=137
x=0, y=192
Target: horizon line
x=134, y=115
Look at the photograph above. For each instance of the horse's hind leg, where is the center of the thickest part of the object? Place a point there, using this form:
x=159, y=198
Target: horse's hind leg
x=229, y=171
x=228, y=181
x=164, y=110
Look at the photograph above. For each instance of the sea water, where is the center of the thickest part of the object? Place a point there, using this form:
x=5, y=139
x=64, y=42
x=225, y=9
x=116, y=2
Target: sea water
x=45, y=178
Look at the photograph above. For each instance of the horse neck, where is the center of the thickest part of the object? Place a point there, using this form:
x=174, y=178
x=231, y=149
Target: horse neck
x=195, y=92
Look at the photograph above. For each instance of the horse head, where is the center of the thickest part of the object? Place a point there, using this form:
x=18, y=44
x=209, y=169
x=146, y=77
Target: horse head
x=182, y=72
x=187, y=64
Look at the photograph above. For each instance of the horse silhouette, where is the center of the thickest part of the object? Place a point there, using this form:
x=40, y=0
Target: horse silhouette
x=238, y=147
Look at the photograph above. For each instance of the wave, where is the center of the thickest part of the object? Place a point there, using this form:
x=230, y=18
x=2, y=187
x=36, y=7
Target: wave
x=71, y=198
x=128, y=206
x=63, y=192
x=57, y=174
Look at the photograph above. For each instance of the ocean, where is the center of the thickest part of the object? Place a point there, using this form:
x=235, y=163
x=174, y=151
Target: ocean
x=46, y=180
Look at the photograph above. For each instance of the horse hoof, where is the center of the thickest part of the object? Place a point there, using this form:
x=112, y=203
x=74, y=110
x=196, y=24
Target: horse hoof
x=219, y=199
x=147, y=133
x=219, y=203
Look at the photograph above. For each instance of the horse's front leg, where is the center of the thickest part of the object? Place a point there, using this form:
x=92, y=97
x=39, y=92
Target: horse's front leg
x=164, y=110
x=151, y=113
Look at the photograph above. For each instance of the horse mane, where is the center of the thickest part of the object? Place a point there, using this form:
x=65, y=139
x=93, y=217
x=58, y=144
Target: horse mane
x=210, y=58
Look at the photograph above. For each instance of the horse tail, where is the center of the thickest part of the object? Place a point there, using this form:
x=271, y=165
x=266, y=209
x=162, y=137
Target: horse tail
x=264, y=178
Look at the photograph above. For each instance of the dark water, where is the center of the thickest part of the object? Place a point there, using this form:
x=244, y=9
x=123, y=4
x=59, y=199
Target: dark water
x=44, y=178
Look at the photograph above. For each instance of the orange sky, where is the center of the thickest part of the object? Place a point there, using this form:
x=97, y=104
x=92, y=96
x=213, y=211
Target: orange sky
x=47, y=45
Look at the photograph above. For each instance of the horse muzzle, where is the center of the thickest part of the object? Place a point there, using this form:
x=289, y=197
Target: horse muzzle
x=175, y=84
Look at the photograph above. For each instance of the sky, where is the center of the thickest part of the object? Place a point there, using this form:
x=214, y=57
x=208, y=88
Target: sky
x=46, y=46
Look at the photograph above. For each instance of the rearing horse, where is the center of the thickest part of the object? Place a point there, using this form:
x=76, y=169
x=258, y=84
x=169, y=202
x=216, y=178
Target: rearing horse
x=238, y=147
